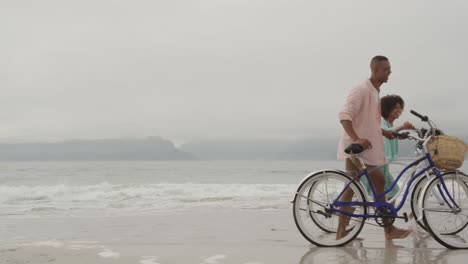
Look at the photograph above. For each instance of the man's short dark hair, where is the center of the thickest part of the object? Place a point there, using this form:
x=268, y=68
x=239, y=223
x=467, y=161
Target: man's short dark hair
x=378, y=58
x=389, y=102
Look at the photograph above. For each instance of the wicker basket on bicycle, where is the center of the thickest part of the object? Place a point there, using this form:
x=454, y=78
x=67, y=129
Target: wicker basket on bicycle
x=448, y=153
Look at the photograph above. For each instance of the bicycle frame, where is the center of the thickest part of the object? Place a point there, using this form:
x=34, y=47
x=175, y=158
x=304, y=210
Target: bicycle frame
x=447, y=198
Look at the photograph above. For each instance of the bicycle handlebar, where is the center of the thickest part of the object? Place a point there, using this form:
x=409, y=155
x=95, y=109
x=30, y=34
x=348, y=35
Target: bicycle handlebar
x=423, y=118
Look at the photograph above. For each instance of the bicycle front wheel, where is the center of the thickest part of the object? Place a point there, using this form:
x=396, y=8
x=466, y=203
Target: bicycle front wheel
x=415, y=196
x=445, y=220
x=314, y=216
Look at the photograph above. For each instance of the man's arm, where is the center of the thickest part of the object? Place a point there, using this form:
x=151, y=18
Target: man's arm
x=350, y=110
x=348, y=127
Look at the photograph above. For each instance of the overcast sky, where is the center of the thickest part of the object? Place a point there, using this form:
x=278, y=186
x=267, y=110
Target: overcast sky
x=188, y=70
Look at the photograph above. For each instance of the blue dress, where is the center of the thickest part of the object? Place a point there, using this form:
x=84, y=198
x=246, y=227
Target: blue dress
x=391, y=151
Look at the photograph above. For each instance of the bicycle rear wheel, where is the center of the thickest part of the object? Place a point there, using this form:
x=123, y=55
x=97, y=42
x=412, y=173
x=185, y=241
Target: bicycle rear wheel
x=313, y=203
x=320, y=219
x=446, y=222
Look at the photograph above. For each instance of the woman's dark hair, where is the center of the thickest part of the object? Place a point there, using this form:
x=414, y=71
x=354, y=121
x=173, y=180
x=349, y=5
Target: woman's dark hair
x=389, y=102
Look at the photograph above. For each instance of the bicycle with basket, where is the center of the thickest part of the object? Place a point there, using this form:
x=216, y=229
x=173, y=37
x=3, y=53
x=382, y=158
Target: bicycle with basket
x=438, y=191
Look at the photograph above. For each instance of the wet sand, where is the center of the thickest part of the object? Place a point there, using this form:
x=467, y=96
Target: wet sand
x=201, y=237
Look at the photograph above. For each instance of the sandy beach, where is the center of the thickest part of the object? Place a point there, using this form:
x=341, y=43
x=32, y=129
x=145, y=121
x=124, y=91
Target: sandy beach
x=201, y=237
x=178, y=132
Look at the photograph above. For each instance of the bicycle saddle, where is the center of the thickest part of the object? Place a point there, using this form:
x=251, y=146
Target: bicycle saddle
x=354, y=149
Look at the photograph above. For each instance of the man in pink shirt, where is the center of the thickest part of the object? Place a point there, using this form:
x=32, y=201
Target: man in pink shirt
x=361, y=121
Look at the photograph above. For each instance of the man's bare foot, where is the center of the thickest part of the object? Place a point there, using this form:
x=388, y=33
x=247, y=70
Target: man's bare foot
x=392, y=232
x=343, y=222
x=340, y=232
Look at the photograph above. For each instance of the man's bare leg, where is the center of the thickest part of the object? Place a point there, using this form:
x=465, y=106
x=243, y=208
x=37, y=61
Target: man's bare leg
x=343, y=220
x=378, y=180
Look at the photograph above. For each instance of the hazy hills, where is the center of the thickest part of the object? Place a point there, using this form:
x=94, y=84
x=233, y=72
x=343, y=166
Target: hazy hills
x=156, y=148
x=152, y=148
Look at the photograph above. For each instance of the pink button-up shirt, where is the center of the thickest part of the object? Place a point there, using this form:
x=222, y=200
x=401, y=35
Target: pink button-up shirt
x=362, y=107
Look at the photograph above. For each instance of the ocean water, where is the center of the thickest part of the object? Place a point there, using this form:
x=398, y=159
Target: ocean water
x=113, y=188
x=68, y=189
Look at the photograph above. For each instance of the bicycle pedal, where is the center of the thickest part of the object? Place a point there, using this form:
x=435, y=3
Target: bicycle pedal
x=405, y=216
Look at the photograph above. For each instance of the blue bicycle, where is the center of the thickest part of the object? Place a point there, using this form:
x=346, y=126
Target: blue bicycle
x=439, y=199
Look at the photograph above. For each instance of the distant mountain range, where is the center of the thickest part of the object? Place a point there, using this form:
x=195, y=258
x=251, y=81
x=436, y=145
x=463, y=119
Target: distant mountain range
x=151, y=148
x=156, y=148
